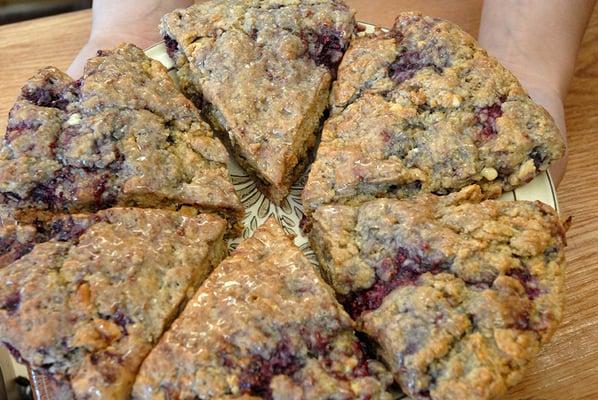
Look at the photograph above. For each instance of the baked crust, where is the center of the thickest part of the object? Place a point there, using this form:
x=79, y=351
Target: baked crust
x=122, y=135
x=459, y=295
x=264, y=324
x=423, y=109
x=261, y=72
x=94, y=293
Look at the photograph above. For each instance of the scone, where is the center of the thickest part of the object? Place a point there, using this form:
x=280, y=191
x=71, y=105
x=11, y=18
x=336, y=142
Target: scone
x=264, y=324
x=122, y=135
x=91, y=297
x=458, y=295
x=261, y=72
x=423, y=109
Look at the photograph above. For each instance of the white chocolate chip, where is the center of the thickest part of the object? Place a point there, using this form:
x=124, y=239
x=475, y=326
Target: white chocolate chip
x=456, y=101
x=74, y=119
x=489, y=173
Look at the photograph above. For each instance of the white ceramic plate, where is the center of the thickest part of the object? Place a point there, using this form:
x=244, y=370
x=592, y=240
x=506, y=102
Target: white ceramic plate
x=258, y=208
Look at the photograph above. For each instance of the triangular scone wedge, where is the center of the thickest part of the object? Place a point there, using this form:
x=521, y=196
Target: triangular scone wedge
x=264, y=324
x=423, y=109
x=122, y=135
x=91, y=297
x=261, y=72
x=459, y=295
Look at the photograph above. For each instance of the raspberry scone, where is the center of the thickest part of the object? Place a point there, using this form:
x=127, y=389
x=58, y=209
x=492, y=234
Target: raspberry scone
x=86, y=302
x=458, y=295
x=120, y=135
x=264, y=324
x=261, y=72
x=423, y=108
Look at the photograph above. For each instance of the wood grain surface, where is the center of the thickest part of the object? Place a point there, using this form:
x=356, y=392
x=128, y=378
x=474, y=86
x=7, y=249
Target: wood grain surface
x=567, y=368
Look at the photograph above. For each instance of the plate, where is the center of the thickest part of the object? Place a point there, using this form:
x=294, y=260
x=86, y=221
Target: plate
x=258, y=208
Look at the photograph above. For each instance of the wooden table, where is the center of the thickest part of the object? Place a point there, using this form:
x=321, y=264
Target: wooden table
x=567, y=368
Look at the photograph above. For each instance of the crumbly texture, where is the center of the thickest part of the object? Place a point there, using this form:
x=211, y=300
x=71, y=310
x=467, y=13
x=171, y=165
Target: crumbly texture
x=423, y=108
x=87, y=304
x=264, y=324
x=15, y=242
x=261, y=71
x=458, y=295
x=121, y=135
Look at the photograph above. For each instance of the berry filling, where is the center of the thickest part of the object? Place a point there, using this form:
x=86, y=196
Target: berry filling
x=406, y=65
x=6, y=244
x=486, y=117
x=50, y=192
x=172, y=46
x=121, y=320
x=255, y=378
x=12, y=303
x=361, y=369
x=66, y=229
x=522, y=321
x=56, y=191
x=529, y=282
x=401, y=270
x=45, y=97
x=16, y=130
x=100, y=187
x=538, y=154
x=326, y=47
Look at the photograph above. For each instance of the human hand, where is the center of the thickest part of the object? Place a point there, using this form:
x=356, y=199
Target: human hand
x=538, y=41
x=117, y=21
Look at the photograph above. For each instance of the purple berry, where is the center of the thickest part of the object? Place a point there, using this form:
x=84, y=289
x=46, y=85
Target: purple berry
x=522, y=321
x=45, y=193
x=529, y=282
x=121, y=320
x=45, y=98
x=406, y=65
x=486, y=116
x=172, y=46
x=256, y=377
x=12, y=303
x=15, y=130
x=66, y=229
x=538, y=154
x=403, y=269
x=326, y=47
